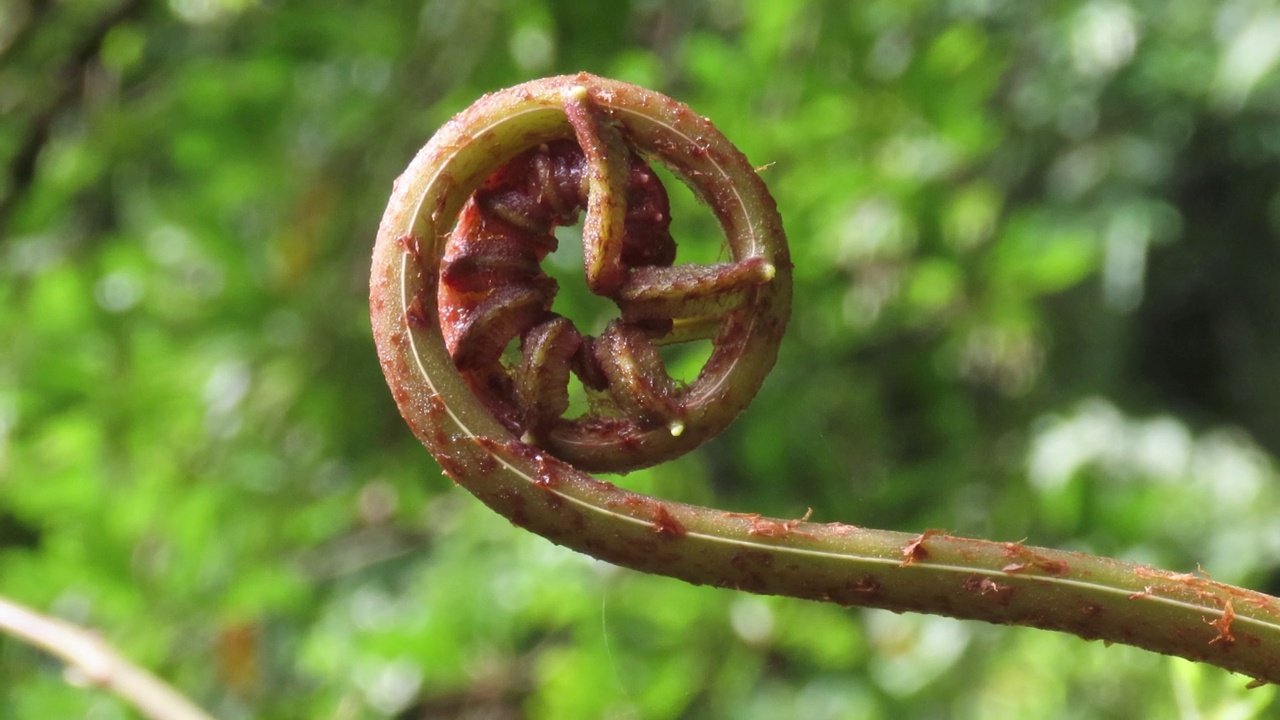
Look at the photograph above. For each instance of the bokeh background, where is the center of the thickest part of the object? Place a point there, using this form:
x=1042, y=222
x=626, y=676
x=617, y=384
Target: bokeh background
x=1038, y=297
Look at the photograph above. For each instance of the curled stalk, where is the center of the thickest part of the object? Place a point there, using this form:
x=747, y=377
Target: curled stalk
x=455, y=282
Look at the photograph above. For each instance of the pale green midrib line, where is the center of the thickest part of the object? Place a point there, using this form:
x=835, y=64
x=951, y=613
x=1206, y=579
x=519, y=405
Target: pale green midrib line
x=891, y=563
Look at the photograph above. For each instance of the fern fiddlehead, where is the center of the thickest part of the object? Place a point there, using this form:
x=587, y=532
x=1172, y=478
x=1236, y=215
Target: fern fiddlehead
x=456, y=279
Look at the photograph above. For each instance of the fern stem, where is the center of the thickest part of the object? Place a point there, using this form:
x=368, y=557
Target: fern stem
x=1005, y=583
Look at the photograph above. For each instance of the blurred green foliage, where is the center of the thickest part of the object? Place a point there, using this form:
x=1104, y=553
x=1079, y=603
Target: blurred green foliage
x=1038, y=274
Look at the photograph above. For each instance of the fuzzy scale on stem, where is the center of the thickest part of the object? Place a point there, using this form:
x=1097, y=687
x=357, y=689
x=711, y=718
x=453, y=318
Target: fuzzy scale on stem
x=1006, y=583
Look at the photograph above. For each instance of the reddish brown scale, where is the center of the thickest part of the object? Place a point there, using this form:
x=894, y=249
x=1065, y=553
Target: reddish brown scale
x=551, y=470
x=452, y=468
x=435, y=420
x=664, y=523
x=415, y=315
x=1003, y=594
x=411, y=246
x=1223, y=626
x=915, y=550
x=1028, y=560
x=441, y=201
x=546, y=474
x=765, y=527
x=1145, y=592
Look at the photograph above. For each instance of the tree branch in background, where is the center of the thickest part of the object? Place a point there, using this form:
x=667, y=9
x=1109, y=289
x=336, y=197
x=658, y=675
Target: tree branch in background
x=101, y=665
x=66, y=82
